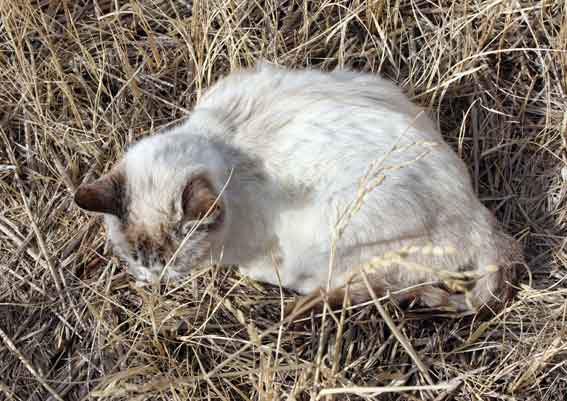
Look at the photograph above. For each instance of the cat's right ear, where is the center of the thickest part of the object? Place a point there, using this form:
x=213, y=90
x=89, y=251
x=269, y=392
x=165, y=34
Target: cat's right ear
x=105, y=195
x=199, y=198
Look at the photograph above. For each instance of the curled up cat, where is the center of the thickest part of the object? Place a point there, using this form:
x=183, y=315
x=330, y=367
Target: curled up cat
x=308, y=179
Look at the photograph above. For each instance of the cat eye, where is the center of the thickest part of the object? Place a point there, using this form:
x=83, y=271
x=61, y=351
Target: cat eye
x=194, y=226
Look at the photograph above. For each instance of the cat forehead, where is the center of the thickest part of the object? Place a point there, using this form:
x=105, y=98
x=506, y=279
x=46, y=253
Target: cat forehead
x=157, y=180
x=154, y=190
x=147, y=174
x=151, y=214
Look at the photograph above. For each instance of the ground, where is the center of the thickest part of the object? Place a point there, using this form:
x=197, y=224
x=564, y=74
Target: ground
x=80, y=80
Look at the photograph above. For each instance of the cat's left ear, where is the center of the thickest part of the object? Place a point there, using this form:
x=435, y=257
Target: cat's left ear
x=104, y=195
x=199, y=199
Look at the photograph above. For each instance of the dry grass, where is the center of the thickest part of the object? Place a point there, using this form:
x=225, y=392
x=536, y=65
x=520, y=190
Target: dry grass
x=79, y=80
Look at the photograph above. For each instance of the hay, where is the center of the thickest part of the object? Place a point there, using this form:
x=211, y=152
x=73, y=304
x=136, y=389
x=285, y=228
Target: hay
x=81, y=80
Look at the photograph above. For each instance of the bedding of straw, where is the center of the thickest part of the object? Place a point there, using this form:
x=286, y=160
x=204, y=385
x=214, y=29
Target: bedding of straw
x=80, y=80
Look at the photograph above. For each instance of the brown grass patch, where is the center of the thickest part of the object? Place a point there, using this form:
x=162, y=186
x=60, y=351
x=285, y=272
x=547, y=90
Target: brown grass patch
x=80, y=80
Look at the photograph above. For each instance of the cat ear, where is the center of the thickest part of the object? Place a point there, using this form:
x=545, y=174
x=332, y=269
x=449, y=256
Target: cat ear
x=199, y=197
x=105, y=195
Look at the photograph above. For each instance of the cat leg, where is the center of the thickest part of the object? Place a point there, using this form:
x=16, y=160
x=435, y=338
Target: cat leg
x=499, y=264
x=491, y=292
x=427, y=295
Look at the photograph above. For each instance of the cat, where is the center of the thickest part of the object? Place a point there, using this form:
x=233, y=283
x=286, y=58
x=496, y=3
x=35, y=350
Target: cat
x=280, y=170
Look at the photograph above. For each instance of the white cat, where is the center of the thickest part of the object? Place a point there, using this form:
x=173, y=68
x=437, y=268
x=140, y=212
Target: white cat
x=269, y=161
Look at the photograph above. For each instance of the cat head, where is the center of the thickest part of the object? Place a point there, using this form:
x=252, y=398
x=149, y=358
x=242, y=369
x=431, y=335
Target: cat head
x=162, y=205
